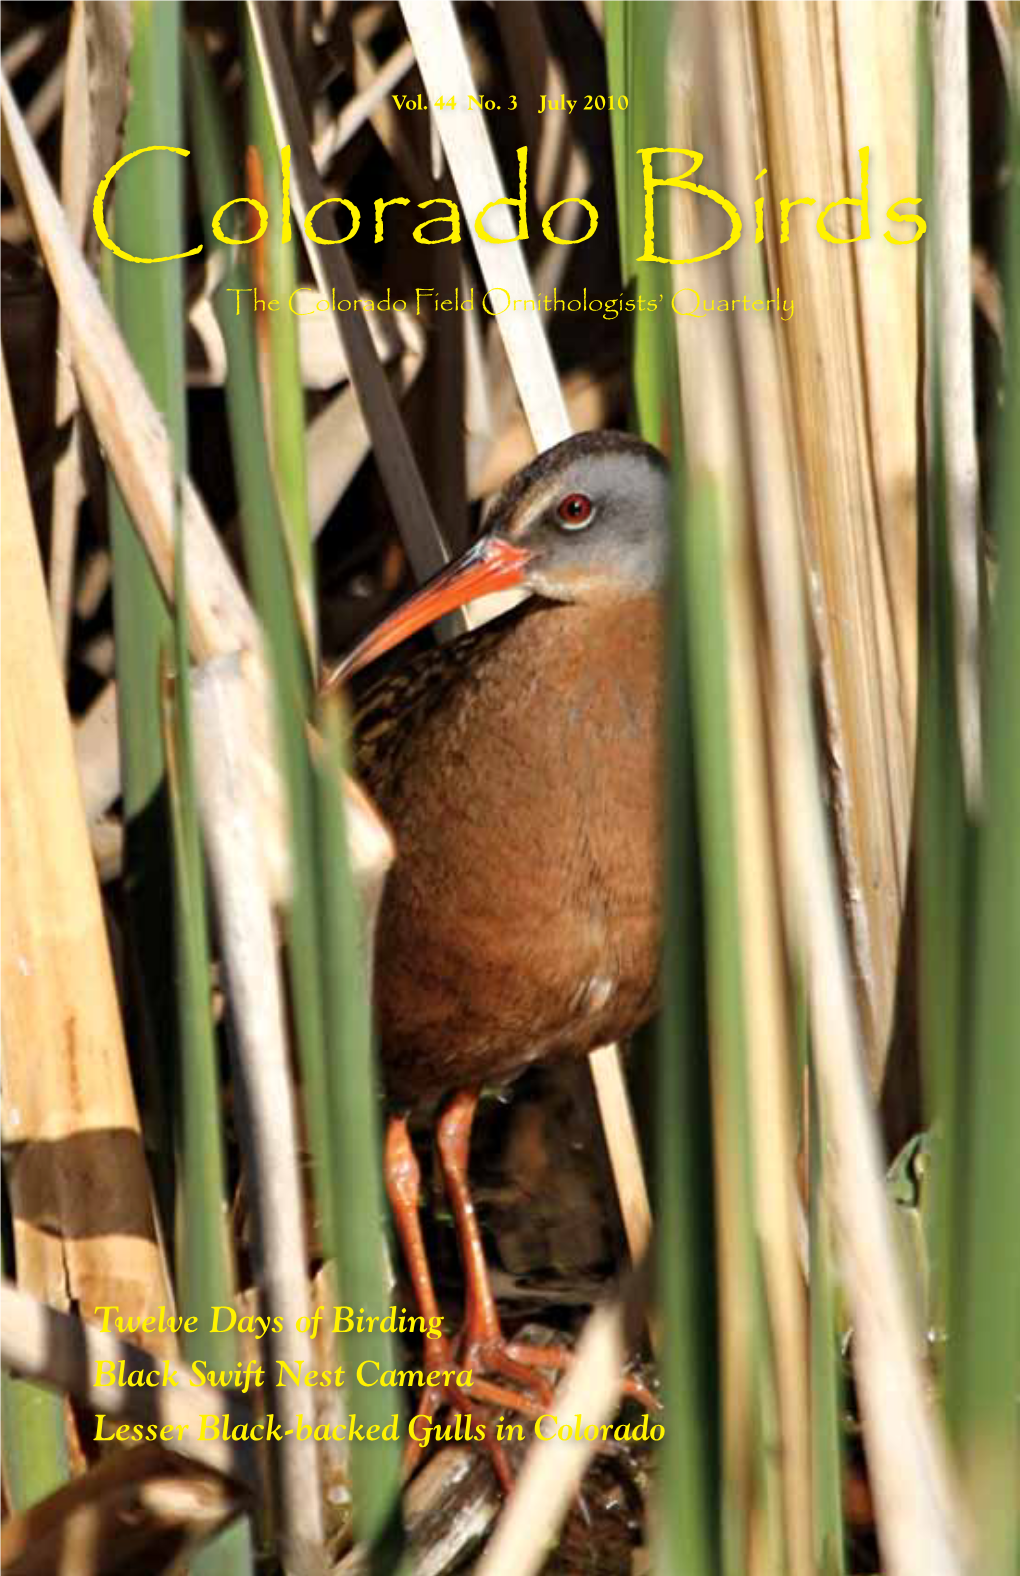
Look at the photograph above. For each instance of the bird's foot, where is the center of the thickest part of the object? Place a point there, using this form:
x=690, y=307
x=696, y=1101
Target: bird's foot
x=483, y=1400
x=529, y=1366
x=532, y=1370
x=463, y=1400
x=506, y=1376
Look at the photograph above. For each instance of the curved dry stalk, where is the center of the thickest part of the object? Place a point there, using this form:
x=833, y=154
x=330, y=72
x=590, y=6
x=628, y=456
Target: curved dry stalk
x=127, y=424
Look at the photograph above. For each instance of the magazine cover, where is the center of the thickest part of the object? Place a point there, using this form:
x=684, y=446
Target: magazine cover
x=510, y=767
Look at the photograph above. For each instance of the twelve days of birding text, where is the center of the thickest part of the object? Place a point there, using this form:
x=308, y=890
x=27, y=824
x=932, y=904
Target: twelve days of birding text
x=120, y=1374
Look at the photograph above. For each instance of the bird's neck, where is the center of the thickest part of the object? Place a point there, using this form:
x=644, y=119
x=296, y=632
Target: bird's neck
x=597, y=663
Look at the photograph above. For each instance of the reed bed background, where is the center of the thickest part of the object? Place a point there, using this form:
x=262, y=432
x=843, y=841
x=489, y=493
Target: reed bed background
x=817, y=1183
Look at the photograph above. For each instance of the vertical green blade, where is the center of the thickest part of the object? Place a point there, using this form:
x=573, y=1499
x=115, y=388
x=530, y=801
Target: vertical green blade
x=688, y=1509
x=687, y=1516
x=149, y=307
x=983, y=1359
x=161, y=801
x=285, y=389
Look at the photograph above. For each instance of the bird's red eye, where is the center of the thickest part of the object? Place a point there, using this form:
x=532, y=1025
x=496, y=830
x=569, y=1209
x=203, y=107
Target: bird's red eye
x=575, y=511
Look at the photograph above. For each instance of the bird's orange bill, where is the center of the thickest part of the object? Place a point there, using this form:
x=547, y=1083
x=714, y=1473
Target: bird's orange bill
x=491, y=564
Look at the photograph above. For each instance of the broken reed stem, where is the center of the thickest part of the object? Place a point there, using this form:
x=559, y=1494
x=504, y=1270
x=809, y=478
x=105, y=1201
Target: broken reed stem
x=53, y=1348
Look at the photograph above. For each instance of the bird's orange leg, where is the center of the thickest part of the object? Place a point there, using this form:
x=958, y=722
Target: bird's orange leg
x=483, y=1341
x=403, y=1185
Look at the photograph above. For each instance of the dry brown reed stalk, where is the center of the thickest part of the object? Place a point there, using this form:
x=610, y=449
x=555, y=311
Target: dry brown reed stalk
x=46, y=100
x=134, y=439
x=447, y=1507
x=97, y=754
x=18, y=54
x=322, y=359
x=1005, y=38
x=338, y=442
x=591, y=397
x=917, y=1512
x=830, y=77
x=535, y=71
x=363, y=105
x=443, y=63
x=84, y=1226
x=388, y=125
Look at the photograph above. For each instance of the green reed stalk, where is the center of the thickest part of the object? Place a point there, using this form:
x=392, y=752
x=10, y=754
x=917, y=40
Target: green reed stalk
x=150, y=307
x=148, y=303
x=983, y=1355
x=687, y=1516
x=282, y=385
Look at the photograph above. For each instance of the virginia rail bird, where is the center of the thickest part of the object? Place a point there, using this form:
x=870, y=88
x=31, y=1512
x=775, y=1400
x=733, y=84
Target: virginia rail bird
x=518, y=767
